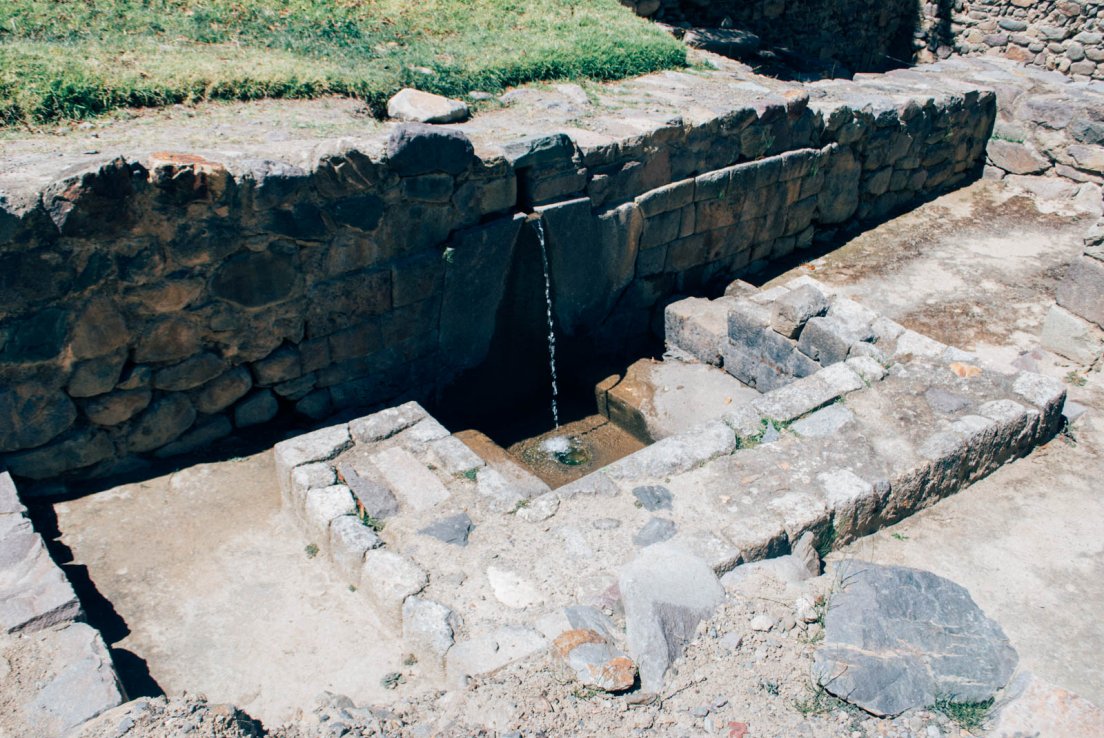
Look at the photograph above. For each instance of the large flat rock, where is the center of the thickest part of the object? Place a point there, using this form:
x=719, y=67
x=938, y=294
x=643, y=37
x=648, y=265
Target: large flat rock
x=899, y=638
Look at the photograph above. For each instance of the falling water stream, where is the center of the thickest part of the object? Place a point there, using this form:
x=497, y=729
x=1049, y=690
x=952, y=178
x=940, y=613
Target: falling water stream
x=566, y=450
x=551, y=328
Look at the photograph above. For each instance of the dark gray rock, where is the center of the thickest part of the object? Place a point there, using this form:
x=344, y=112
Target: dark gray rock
x=259, y=407
x=653, y=497
x=377, y=500
x=39, y=337
x=189, y=373
x=74, y=450
x=730, y=42
x=203, y=434
x=656, y=530
x=454, y=529
x=97, y=376
x=118, y=407
x=416, y=148
x=898, y=638
x=164, y=421
x=224, y=391
x=31, y=415
x=254, y=280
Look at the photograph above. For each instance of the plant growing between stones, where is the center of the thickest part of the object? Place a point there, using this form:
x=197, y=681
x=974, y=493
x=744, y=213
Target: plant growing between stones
x=968, y=715
x=311, y=550
x=367, y=520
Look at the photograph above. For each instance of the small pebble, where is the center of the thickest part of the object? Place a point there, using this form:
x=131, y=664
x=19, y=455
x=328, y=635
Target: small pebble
x=700, y=712
x=762, y=623
x=606, y=523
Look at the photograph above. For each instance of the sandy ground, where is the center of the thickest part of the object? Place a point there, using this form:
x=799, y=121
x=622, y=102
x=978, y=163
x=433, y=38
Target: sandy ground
x=218, y=596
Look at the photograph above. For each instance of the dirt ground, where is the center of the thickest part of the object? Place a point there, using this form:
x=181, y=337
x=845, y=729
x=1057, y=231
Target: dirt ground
x=219, y=595
x=220, y=598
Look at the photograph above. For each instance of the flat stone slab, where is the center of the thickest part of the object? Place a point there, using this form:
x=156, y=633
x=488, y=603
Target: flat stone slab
x=410, y=480
x=897, y=639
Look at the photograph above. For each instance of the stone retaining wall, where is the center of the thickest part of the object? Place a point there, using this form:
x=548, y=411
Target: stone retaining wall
x=1062, y=35
x=150, y=308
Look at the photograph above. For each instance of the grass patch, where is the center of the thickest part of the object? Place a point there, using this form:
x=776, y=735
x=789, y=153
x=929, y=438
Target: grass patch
x=71, y=59
x=968, y=715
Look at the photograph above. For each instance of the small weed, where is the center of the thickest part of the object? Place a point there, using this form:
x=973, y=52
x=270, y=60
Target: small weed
x=521, y=504
x=410, y=660
x=392, y=680
x=819, y=702
x=352, y=588
x=968, y=715
x=1077, y=379
x=311, y=550
x=471, y=474
x=367, y=520
x=898, y=536
x=585, y=693
x=770, y=687
x=1009, y=139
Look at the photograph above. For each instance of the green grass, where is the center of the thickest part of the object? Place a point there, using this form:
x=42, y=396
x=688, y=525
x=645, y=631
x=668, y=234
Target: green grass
x=968, y=715
x=71, y=59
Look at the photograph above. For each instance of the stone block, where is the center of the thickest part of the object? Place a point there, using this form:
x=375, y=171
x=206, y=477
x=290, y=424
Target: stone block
x=324, y=505
x=453, y=456
x=260, y=407
x=791, y=311
x=189, y=373
x=307, y=477
x=350, y=540
x=487, y=654
x=34, y=593
x=415, y=486
x=1071, y=336
x=319, y=445
x=827, y=340
x=97, y=376
x=1082, y=290
x=223, y=391
x=675, y=453
x=499, y=493
x=1016, y=158
x=666, y=592
x=166, y=419
x=77, y=681
x=416, y=148
x=9, y=496
x=771, y=364
x=117, y=407
x=823, y=423
x=667, y=198
x=32, y=415
x=853, y=502
x=279, y=366
x=203, y=434
x=429, y=630
x=799, y=398
x=388, y=579
x=698, y=327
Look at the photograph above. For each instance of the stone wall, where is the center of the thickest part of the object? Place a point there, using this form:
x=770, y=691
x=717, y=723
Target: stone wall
x=151, y=308
x=1061, y=35
x=858, y=35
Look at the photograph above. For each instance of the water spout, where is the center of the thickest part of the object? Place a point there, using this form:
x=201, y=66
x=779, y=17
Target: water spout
x=551, y=327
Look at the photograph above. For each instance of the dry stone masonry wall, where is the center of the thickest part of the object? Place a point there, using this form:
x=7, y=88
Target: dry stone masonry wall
x=1062, y=35
x=150, y=308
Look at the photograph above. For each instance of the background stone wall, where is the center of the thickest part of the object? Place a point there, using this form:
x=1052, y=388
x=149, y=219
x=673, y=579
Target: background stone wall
x=859, y=35
x=149, y=309
x=1062, y=35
